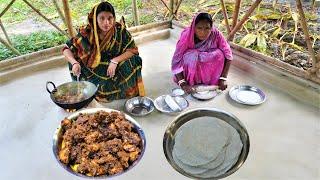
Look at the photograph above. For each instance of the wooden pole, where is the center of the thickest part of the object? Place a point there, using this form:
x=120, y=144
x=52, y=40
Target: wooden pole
x=236, y=13
x=44, y=17
x=14, y=50
x=5, y=32
x=68, y=17
x=171, y=8
x=306, y=32
x=224, y=10
x=165, y=4
x=135, y=13
x=60, y=12
x=244, y=19
x=6, y=8
x=313, y=4
x=177, y=8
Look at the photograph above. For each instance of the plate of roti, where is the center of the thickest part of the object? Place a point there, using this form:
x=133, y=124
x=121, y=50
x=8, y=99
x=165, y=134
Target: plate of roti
x=206, y=144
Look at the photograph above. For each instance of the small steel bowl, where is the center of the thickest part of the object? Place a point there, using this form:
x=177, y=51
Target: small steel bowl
x=178, y=92
x=57, y=140
x=139, y=106
x=169, y=136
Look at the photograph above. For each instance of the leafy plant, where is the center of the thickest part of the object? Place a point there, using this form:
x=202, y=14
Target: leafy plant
x=257, y=39
x=261, y=42
x=33, y=42
x=248, y=39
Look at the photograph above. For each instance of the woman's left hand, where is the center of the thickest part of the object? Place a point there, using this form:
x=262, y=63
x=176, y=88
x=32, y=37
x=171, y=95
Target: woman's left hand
x=111, y=69
x=222, y=84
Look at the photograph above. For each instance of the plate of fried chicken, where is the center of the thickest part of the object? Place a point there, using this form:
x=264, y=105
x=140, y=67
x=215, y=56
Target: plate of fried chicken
x=98, y=142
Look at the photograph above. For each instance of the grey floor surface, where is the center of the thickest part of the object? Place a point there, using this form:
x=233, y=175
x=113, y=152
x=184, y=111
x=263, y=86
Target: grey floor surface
x=284, y=133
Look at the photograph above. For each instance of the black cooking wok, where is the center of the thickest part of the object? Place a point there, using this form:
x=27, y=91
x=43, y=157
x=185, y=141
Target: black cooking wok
x=72, y=95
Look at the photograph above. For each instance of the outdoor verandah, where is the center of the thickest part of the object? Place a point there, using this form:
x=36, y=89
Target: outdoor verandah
x=283, y=131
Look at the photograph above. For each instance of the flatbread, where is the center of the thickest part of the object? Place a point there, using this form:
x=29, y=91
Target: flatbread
x=216, y=162
x=220, y=170
x=197, y=169
x=205, y=95
x=200, y=141
x=233, y=151
x=188, y=168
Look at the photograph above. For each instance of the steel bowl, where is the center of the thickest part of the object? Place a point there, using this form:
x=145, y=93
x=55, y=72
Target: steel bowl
x=85, y=88
x=139, y=106
x=178, y=92
x=169, y=136
x=57, y=140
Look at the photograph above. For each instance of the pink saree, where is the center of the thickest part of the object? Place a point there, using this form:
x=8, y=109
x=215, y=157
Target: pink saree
x=201, y=63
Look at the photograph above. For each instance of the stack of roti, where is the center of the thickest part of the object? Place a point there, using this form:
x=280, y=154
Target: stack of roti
x=206, y=147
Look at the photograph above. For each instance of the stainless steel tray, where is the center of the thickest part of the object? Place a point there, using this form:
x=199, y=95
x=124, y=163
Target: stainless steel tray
x=162, y=106
x=246, y=94
x=169, y=137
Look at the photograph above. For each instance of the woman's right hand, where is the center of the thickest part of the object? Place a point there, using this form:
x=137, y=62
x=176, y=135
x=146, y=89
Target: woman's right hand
x=188, y=89
x=76, y=69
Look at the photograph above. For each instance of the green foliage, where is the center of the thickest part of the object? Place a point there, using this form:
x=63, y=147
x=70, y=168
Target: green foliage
x=261, y=42
x=20, y=11
x=33, y=42
x=122, y=4
x=144, y=19
x=276, y=32
x=248, y=40
x=269, y=14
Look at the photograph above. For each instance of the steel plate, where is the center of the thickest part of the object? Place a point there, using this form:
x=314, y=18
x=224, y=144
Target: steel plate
x=169, y=137
x=246, y=94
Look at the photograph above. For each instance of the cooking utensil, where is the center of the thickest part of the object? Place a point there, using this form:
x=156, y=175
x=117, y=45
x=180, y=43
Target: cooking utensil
x=172, y=103
x=206, y=88
x=248, y=95
x=177, y=92
x=139, y=106
x=86, y=89
x=206, y=92
x=57, y=140
x=169, y=137
x=162, y=106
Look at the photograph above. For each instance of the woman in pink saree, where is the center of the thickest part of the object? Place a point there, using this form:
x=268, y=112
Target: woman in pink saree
x=202, y=55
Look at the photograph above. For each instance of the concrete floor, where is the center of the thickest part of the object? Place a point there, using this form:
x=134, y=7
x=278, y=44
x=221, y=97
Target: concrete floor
x=284, y=133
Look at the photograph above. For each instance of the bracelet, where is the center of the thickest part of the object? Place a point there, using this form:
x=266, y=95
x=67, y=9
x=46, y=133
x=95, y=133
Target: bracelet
x=181, y=81
x=114, y=62
x=75, y=63
x=223, y=78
